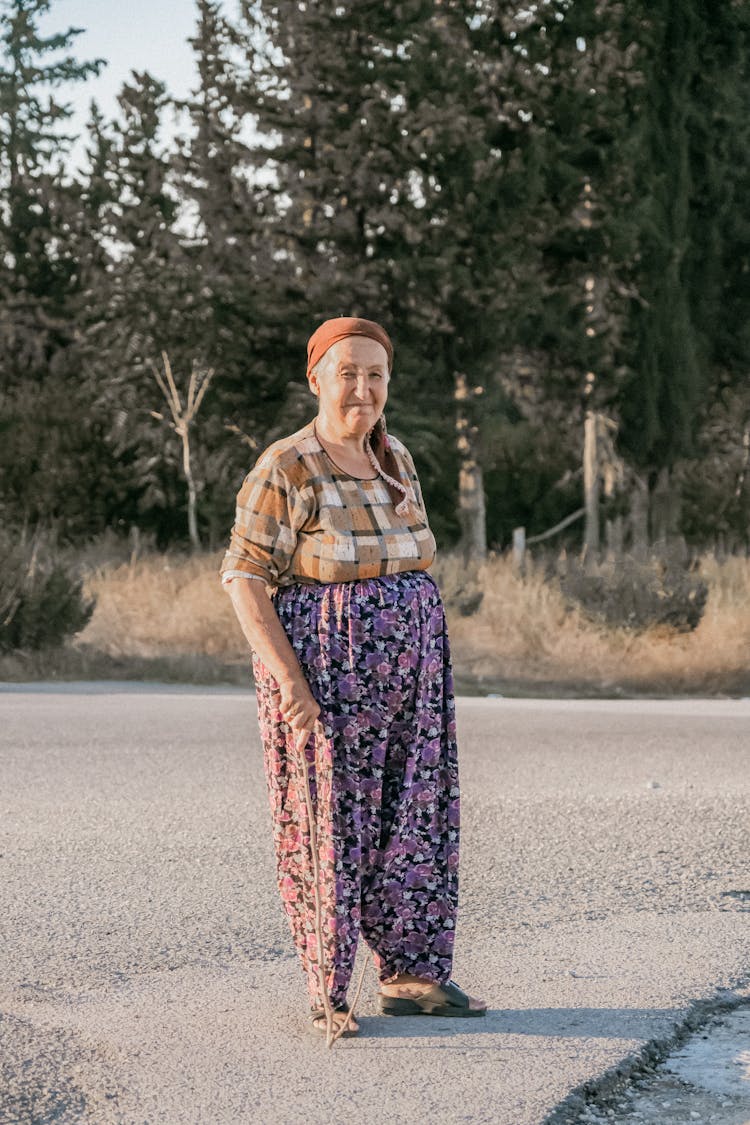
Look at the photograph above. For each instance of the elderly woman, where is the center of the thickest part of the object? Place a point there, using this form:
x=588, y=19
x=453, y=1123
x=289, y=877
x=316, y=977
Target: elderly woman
x=327, y=571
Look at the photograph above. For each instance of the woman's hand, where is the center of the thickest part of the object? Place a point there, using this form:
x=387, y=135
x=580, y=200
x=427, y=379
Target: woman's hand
x=298, y=705
x=260, y=624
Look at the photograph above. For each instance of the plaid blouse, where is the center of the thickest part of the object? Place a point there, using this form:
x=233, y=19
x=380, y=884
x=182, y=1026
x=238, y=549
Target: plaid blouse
x=300, y=518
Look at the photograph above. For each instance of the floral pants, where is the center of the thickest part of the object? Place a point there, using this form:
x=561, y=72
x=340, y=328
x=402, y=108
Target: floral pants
x=383, y=775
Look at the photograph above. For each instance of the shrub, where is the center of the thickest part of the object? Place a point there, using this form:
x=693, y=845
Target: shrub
x=637, y=595
x=41, y=599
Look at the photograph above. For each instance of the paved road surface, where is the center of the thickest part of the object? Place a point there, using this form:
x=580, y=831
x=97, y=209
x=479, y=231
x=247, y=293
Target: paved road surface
x=148, y=973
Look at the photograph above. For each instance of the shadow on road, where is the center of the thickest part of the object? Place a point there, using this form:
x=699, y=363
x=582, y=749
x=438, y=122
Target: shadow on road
x=574, y=1023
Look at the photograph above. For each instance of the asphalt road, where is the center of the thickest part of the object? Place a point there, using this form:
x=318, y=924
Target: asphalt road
x=147, y=972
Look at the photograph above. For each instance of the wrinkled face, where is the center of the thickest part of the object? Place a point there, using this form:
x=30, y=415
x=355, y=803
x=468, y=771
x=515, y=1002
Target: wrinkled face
x=351, y=381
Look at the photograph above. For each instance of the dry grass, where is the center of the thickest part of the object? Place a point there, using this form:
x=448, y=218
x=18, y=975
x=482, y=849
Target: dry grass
x=525, y=636
x=527, y=632
x=163, y=605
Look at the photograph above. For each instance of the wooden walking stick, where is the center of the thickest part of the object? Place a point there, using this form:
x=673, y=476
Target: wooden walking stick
x=302, y=738
x=331, y=1034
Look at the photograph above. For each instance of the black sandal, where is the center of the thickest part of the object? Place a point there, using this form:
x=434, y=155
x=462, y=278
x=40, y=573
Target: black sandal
x=440, y=1000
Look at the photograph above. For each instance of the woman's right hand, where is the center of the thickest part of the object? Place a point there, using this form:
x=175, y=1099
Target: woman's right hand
x=298, y=705
x=261, y=625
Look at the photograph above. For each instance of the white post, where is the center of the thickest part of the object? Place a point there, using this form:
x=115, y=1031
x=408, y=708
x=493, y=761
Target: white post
x=519, y=549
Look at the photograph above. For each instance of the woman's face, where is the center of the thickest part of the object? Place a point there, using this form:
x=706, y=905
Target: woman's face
x=351, y=382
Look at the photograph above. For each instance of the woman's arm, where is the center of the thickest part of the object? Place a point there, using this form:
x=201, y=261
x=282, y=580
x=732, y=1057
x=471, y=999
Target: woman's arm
x=265, y=635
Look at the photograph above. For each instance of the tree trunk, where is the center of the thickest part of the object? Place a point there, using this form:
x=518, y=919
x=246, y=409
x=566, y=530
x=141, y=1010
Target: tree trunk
x=192, y=499
x=639, y=518
x=665, y=511
x=471, y=504
x=471, y=510
x=590, y=487
x=614, y=534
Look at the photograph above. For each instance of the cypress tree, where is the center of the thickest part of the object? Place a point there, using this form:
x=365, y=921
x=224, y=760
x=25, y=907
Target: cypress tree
x=685, y=334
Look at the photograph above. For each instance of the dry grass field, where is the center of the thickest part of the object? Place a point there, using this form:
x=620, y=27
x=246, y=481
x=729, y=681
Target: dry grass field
x=169, y=613
x=526, y=633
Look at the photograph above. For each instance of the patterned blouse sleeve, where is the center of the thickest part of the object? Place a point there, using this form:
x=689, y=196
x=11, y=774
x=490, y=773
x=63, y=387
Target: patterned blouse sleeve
x=270, y=511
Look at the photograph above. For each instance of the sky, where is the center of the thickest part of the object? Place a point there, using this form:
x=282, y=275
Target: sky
x=132, y=35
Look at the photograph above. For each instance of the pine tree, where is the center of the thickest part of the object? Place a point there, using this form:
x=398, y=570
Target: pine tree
x=417, y=182
x=496, y=191
x=141, y=300
x=321, y=88
x=37, y=276
x=44, y=445
x=230, y=252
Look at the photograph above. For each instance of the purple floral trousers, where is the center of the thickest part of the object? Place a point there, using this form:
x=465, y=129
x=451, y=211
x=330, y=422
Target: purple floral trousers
x=383, y=775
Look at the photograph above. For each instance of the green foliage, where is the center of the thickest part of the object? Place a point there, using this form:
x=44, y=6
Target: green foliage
x=691, y=126
x=48, y=444
x=714, y=485
x=37, y=268
x=637, y=595
x=459, y=170
x=41, y=599
x=429, y=179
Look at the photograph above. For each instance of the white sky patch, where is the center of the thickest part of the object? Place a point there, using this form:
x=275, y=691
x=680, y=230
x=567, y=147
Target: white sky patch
x=138, y=35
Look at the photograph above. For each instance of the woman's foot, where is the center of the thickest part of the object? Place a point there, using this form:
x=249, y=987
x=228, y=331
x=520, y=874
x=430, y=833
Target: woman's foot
x=406, y=987
x=339, y=1017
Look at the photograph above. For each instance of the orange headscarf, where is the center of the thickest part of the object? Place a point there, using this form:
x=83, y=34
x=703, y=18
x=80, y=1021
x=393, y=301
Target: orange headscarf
x=377, y=444
x=331, y=331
